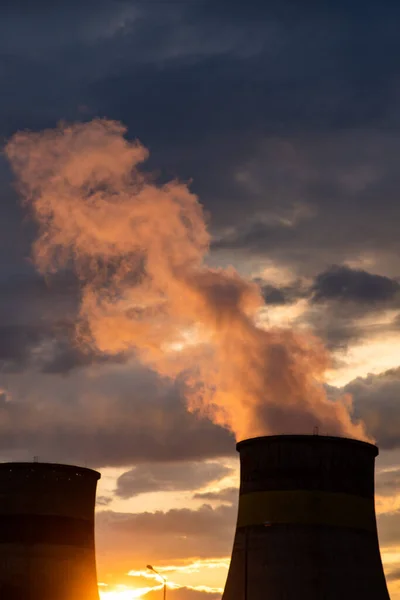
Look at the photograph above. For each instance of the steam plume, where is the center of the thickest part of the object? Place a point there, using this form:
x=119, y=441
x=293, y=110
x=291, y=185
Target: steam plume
x=139, y=249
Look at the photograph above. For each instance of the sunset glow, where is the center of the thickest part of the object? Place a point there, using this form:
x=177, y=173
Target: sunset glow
x=121, y=592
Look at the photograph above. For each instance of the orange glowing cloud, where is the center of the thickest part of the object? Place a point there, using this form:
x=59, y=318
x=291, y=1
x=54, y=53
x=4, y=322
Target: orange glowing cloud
x=139, y=250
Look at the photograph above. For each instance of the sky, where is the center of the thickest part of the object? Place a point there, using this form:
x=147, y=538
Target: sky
x=283, y=119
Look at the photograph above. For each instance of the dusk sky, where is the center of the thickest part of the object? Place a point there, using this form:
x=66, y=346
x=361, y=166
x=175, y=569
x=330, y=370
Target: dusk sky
x=282, y=120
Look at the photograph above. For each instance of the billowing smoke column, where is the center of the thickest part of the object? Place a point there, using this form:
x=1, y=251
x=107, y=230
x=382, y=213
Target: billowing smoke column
x=139, y=250
x=47, y=549
x=306, y=525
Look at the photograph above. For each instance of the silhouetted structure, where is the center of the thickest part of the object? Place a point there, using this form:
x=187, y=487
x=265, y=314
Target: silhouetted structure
x=47, y=549
x=306, y=527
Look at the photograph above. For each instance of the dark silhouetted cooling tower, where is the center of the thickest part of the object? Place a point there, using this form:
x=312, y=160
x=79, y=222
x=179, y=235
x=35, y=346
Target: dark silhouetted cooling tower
x=306, y=527
x=47, y=547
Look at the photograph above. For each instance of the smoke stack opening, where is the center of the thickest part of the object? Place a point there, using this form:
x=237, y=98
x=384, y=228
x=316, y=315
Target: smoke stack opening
x=306, y=525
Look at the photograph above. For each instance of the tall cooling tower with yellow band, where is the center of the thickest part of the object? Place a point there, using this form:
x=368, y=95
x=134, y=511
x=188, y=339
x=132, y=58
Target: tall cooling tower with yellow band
x=47, y=547
x=306, y=527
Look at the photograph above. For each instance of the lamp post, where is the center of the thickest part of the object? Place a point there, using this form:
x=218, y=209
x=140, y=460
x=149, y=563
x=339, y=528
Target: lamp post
x=161, y=577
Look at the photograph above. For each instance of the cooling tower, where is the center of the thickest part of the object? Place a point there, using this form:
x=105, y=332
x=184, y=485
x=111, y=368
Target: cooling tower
x=306, y=526
x=47, y=532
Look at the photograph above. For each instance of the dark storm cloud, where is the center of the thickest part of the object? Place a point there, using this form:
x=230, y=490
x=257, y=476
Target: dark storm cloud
x=265, y=105
x=355, y=285
x=37, y=322
x=319, y=198
x=273, y=295
x=31, y=313
x=112, y=415
x=338, y=329
x=376, y=401
x=169, y=477
x=338, y=300
x=242, y=71
x=268, y=66
x=17, y=343
x=279, y=295
x=341, y=297
x=66, y=355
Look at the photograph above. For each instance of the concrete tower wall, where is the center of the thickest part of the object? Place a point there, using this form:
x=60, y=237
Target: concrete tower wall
x=47, y=547
x=306, y=526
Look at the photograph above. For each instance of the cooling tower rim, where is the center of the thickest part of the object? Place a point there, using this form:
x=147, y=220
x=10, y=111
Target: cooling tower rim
x=42, y=467
x=312, y=439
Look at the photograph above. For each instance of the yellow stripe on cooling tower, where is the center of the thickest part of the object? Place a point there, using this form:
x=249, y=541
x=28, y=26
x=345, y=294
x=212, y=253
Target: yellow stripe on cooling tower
x=306, y=508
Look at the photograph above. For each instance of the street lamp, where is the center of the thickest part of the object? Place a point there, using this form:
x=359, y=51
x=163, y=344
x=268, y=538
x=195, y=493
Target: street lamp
x=161, y=577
